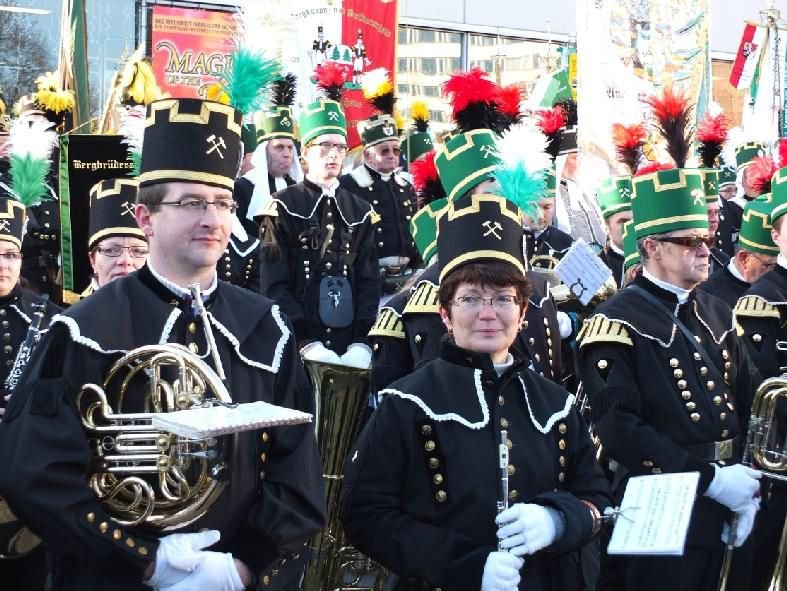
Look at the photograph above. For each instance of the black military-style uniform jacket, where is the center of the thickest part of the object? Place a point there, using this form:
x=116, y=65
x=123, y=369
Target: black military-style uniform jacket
x=614, y=260
x=300, y=249
x=395, y=202
x=240, y=263
x=391, y=354
x=730, y=219
x=242, y=193
x=426, y=468
x=16, y=314
x=275, y=499
x=655, y=403
x=552, y=242
x=725, y=286
x=718, y=259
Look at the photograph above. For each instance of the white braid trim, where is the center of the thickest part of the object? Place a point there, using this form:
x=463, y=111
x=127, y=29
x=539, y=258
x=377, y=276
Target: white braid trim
x=285, y=335
x=24, y=316
x=558, y=416
x=317, y=204
x=246, y=252
x=449, y=416
x=76, y=335
x=173, y=317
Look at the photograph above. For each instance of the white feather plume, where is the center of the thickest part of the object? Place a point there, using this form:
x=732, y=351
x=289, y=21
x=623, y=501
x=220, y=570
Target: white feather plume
x=266, y=26
x=374, y=79
x=525, y=143
x=33, y=138
x=132, y=127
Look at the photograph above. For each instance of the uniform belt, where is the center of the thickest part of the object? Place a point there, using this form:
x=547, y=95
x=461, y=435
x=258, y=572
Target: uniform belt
x=395, y=270
x=716, y=450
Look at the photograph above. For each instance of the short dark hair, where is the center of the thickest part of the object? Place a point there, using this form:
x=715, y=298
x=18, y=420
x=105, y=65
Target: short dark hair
x=152, y=196
x=486, y=274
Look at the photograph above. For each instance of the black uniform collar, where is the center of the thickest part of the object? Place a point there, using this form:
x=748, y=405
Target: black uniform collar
x=772, y=286
x=12, y=297
x=455, y=354
x=730, y=276
x=167, y=295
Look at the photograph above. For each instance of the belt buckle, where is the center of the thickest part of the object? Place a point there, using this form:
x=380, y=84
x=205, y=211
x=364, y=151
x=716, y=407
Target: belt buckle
x=723, y=449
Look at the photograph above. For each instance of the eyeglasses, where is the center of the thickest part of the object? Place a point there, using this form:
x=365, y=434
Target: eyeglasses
x=193, y=205
x=766, y=264
x=389, y=151
x=689, y=241
x=326, y=147
x=115, y=250
x=501, y=303
x=11, y=256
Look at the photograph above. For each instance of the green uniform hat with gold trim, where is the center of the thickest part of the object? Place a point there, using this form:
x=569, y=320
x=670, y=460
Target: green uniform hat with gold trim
x=727, y=174
x=614, y=195
x=191, y=140
x=755, y=232
x=779, y=194
x=12, y=221
x=278, y=120
x=321, y=117
x=377, y=129
x=478, y=228
x=423, y=227
x=112, y=210
x=630, y=252
x=668, y=200
x=466, y=160
x=747, y=152
x=710, y=184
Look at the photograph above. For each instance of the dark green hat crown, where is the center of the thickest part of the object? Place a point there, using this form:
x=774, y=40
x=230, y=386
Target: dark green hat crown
x=12, y=221
x=276, y=122
x=779, y=194
x=112, y=210
x=727, y=174
x=755, y=233
x=191, y=140
x=416, y=145
x=466, y=160
x=630, y=252
x=747, y=152
x=423, y=228
x=614, y=195
x=710, y=184
x=321, y=117
x=377, y=129
x=668, y=200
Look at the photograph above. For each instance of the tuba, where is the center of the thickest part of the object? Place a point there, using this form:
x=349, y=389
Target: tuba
x=765, y=447
x=143, y=475
x=341, y=394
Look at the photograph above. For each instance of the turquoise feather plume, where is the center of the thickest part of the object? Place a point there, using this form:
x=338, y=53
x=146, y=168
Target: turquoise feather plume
x=247, y=79
x=522, y=187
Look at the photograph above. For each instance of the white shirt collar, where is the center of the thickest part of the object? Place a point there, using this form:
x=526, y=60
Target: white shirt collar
x=329, y=190
x=179, y=291
x=615, y=249
x=682, y=294
x=500, y=368
x=732, y=268
x=781, y=260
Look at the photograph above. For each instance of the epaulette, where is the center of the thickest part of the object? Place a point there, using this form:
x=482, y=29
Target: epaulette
x=270, y=209
x=424, y=299
x=600, y=329
x=388, y=324
x=753, y=306
x=362, y=177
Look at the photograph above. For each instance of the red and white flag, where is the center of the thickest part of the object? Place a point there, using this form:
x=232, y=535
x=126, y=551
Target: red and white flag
x=749, y=52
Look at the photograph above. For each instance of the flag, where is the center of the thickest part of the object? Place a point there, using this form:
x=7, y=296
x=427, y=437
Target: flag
x=73, y=69
x=748, y=56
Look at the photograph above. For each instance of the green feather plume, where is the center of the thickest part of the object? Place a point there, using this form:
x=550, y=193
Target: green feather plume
x=28, y=179
x=522, y=187
x=248, y=78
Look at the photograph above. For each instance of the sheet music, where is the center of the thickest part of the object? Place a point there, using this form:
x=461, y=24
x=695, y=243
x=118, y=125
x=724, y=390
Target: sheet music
x=582, y=271
x=655, y=514
x=202, y=423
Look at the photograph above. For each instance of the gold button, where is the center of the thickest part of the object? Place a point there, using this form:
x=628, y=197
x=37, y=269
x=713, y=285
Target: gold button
x=647, y=463
x=376, y=346
x=562, y=460
x=91, y=517
x=142, y=550
x=602, y=364
x=103, y=527
x=690, y=406
x=130, y=542
x=562, y=444
x=674, y=362
x=265, y=437
x=686, y=395
x=264, y=457
x=678, y=373
x=562, y=428
x=697, y=356
x=656, y=470
x=511, y=470
x=193, y=347
x=438, y=478
x=434, y=463
x=429, y=445
x=710, y=385
x=727, y=365
x=561, y=477
x=418, y=338
x=504, y=423
x=262, y=475
x=723, y=416
x=8, y=349
x=756, y=338
x=725, y=433
x=531, y=341
x=426, y=430
x=501, y=401
x=380, y=244
x=717, y=400
x=695, y=417
x=537, y=356
x=682, y=384
x=441, y=496
x=549, y=342
x=266, y=580
x=703, y=371
x=509, y=443
x=192, y=327
x=513, y=495
x=730, y=406
x=117, y=534
x=725, y=354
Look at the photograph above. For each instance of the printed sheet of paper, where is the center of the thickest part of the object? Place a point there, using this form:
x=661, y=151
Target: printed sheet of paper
x=582, y=271
x=655, y=515
x=201, y=423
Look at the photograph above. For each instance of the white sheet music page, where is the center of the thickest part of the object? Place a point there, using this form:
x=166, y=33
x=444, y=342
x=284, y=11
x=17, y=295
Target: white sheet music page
x=655, y=514
x=582, y=271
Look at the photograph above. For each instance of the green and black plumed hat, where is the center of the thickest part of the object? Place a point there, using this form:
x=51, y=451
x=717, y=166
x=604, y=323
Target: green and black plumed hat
x=746, y=152
x=277, y=121
x=630, y=252
x=668, y=200
x=478, y=228
x=568, y=139
x=378, y=92
x=431, y=205
x=112, y=210
x=614, y=195
x=325, y=115
x=418, y=141
x=12, y=221
x=755, y=234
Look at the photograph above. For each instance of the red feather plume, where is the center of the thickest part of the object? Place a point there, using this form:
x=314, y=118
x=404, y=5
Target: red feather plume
x=654, y=167
x=711, y=135
x=551, y=123
x=474, y=103
x=426, y=180
x=330, y=78
x=508, y=101
x=672, y=114
x=760, y=173
x=782, y=151
x=629, y=140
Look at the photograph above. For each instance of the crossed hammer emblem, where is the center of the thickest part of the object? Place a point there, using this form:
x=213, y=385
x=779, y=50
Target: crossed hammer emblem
x=4, y=225
x=699, y=197
x=128, y=208
x=333, y=116
x=215, y=145
x=487, y=150
x=285, y=122
x=624, y=192
x=492, y=228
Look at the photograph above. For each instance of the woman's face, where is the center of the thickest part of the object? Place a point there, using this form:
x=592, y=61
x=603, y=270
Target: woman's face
x=484, y=319
x=108, y=265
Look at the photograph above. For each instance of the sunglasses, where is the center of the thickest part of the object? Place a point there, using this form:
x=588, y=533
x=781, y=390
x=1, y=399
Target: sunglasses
x=689, y=241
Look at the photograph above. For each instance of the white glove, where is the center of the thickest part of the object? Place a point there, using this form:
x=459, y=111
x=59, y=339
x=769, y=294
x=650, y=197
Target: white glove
x=526, y=528
x=178, y=555
x=734, y=486
x=501, y=572
x=216, y=571
x=357, y=355
x=316, y=351
x=743, y=525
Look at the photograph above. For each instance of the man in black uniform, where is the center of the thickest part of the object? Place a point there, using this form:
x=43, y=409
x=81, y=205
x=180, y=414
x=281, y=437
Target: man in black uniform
x=549, y=242
x=379, y=182
x=319, y=254
x=731, y=210
x=727, y=191
x=667, y=401
x=273, y=499
x=614, y=200
x=755, y=255
x=762, y=313
x=710, y=182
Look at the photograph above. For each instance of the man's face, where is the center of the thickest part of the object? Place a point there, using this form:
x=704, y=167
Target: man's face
x=570, y=167
x=187, y=241
x=754, y=265
x=679, y=265
x=281, y=154
x=615, y=224
x=713, y=218
x=324, y=156
x=748, y=188
x=728, y=191
x=546, y=211
x=383, y=157
x=779, y=235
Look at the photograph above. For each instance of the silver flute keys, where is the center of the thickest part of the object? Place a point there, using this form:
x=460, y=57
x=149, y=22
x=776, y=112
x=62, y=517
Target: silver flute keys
x=502, y=501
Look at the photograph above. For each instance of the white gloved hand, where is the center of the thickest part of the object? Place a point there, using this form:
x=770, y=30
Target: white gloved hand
x=357, y=355
x=526, y=528
x=215, y=571
x=734, y=486
x=501, y=572
x=178, y=555
x=316, y=351
x=743, y=525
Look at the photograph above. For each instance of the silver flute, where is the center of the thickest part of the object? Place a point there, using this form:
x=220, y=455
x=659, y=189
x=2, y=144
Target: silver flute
x=25, y=350
x=502, y=500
